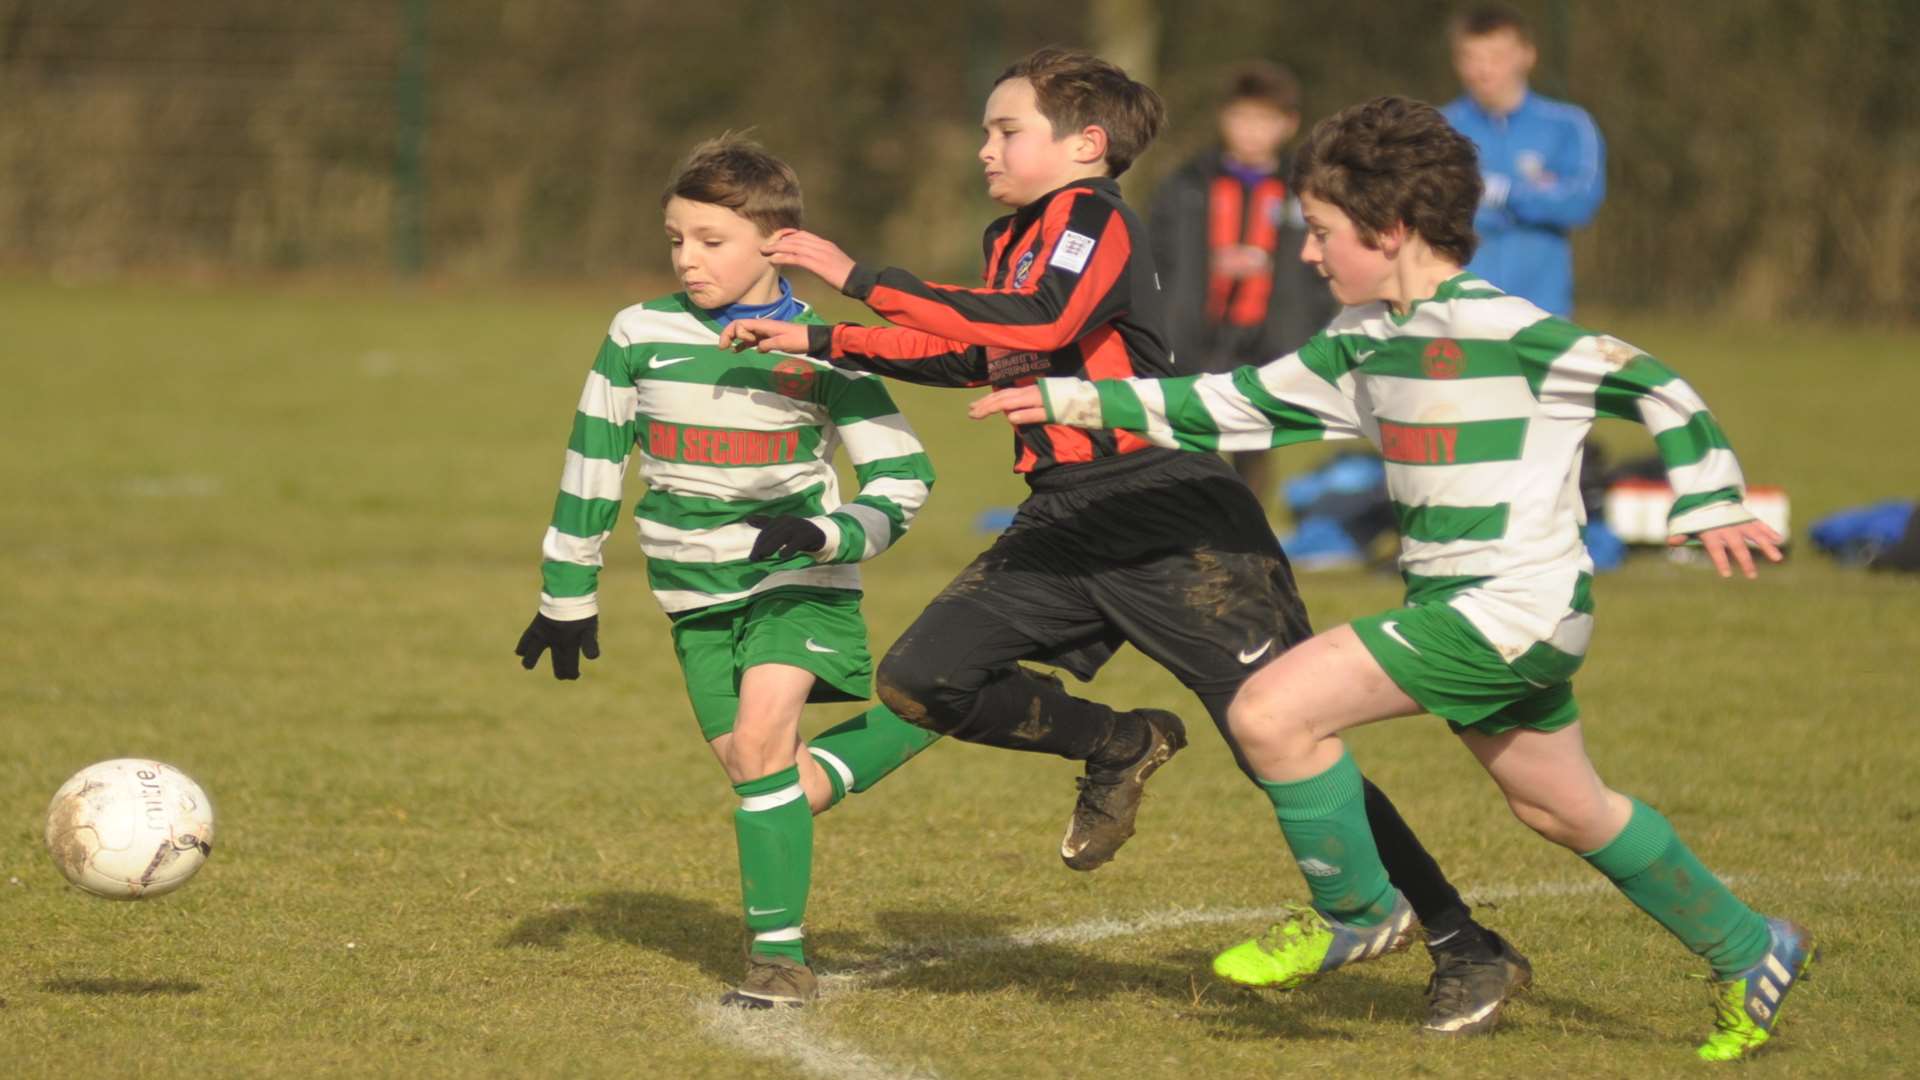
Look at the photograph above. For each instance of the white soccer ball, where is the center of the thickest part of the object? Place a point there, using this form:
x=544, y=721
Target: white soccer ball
x=129, y=828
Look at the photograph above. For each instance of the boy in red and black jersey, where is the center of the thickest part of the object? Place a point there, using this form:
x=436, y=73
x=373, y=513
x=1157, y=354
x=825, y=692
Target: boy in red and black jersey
x=1120, y=542
x=1064, y=292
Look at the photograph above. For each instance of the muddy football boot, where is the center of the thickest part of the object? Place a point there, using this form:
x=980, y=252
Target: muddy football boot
x=1110, y=798
x=771, y=981
x=1470, y=986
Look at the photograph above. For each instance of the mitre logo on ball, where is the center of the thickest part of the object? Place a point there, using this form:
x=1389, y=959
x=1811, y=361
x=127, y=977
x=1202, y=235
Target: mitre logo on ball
x=129, y=828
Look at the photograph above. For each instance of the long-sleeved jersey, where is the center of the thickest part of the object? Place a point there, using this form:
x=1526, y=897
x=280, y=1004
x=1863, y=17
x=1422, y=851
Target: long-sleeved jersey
x=723, y=435
x=1480, y=402
x=1069, y=290
x=1218, y=323
x=1545, y=167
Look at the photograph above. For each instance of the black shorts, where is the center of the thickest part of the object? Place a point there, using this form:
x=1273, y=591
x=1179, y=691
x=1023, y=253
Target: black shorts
x=1163, y=550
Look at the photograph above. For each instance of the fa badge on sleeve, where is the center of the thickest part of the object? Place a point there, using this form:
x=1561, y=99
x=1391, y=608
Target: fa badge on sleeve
x=1072, y=252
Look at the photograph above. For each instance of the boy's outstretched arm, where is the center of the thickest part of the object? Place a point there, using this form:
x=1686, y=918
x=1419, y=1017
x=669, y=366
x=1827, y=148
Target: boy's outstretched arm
x=1579, y=374
x=1077, y=278
x=904, y=354
x=908, y=355
x=1301, y=397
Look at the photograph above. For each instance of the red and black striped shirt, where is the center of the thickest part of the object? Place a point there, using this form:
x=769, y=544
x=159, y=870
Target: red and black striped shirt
x=1068, y=292
x=1243, y=212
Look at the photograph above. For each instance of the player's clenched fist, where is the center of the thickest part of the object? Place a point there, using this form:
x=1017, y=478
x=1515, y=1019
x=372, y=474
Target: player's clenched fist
x=784, y=537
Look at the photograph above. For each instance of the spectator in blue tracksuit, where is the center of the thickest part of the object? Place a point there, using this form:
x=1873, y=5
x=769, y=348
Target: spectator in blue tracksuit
x=1543, y=160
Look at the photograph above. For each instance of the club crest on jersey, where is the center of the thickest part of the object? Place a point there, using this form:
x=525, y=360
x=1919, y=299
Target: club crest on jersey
x=793, y=377
x=1443, y=359
x=1022, y=269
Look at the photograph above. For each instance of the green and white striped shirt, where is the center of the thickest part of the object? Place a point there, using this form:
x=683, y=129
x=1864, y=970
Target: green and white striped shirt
x=1480, y=402
x=723, y=435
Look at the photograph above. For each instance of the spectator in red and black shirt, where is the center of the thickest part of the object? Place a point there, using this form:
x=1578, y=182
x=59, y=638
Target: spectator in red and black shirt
x=1120, y=542
x=1227, y=235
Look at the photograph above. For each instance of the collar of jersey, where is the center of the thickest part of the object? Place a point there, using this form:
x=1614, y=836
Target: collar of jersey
x=1032, y=210
x=787, y=308
x=1451, y=289
x=1225, y=166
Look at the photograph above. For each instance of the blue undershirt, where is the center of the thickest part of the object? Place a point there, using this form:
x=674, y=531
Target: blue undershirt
x=1246, y=174
x=786, y=309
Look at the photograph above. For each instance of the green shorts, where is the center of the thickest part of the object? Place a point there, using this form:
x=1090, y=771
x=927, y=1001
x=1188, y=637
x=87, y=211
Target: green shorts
x=819, y=630
x=1433, y=653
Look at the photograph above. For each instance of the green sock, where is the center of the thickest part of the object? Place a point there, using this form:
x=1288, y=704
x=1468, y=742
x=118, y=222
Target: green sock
x=1650, y=864
x=1324, y=819
x=859, y=753
x=775, y=829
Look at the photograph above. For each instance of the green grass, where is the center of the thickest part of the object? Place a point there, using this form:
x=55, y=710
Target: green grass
x=286, y=540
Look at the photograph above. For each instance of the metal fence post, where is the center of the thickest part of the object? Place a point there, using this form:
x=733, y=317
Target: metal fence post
x=409, y=181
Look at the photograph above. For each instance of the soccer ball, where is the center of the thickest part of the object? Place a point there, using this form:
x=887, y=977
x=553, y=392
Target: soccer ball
x=129, y=828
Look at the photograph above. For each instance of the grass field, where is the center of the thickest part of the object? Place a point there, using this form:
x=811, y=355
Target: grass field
x=286, y=539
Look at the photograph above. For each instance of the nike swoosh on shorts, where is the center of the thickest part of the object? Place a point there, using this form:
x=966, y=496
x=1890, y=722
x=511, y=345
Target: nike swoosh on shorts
x=1248, y=656
x=1391, y=629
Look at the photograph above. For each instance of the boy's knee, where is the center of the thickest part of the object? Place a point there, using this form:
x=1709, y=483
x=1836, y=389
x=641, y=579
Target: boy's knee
x=1571, y=824
x=1535, y=817
x=919, y=689
x=1259, y=724
x=761, y=744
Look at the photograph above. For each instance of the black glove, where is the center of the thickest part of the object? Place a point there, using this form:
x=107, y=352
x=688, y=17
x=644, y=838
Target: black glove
x=784, y=537
x=567, y=640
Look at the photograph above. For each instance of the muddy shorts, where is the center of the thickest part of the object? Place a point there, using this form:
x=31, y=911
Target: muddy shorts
x=1162, y=550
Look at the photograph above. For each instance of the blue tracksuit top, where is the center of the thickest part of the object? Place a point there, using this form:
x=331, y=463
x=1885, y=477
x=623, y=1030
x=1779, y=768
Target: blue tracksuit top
x=1545, y=166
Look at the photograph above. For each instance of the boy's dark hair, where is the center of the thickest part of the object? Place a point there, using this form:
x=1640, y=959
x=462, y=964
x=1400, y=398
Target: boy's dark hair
x=1393, y=160
x=735, y=172
x=1075, y=89
x=1265, y=82
x=1484, y=19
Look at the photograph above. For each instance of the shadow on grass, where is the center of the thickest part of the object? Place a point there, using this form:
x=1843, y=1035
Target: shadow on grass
x=970, y=954
x=121, y=987
x=1236, y=1013
x=973, y=955
x=1389, y=998
x=1559, y=1012
x=697, y=932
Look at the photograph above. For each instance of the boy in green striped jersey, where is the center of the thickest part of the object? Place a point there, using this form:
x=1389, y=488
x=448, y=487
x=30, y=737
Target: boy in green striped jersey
x=750, y=549
x=1480, y=402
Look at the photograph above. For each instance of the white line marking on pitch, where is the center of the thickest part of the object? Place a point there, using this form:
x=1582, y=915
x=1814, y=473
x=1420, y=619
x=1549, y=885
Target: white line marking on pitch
x=784, y=1034
x=1107, y=928
x=1080, y=933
